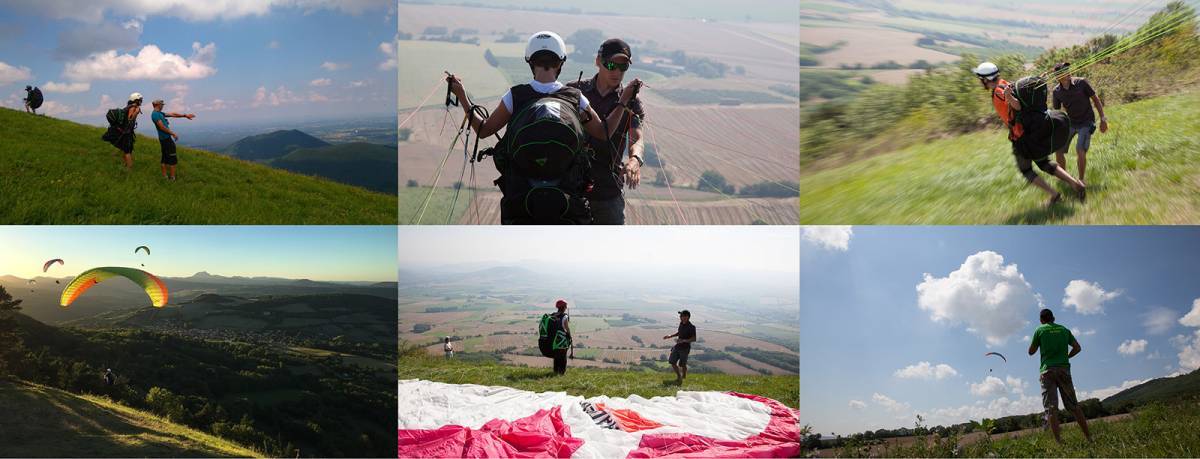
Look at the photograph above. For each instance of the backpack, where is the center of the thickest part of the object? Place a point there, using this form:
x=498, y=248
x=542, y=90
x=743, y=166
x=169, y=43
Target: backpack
x=1045, y=131
x=544, y=160
x=35, y=98
x=117, y=117
x=551, y=335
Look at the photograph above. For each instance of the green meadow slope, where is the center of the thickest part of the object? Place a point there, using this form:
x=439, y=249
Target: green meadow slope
x=1145, y=170
x=41, y=421
x=590, y=382
x=60, y=172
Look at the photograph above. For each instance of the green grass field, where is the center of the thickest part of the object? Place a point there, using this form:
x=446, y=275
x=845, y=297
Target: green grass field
x=1154, y=431
x=590, y=382
x=1144, y=171
x=60, y=172
x=91, y=426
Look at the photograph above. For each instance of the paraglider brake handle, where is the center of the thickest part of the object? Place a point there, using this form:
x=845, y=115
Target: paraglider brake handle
x=451, y=99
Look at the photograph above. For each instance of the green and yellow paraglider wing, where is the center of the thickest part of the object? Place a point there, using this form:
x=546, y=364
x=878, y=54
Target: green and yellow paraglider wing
x=155, y=288
x=142, y=247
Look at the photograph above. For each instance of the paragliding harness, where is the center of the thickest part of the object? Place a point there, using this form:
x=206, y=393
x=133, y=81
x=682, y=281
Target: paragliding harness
x=35, y=98
x=1045, y=131
x=551, y=335
x=543, y=160
x=118, y=125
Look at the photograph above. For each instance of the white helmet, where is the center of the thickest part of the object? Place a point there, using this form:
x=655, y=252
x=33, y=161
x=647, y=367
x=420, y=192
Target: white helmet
x=135, y=97
x=548, y=41
x=987, y=70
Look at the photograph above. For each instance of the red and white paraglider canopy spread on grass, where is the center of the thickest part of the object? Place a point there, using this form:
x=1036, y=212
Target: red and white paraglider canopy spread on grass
x=465, y=420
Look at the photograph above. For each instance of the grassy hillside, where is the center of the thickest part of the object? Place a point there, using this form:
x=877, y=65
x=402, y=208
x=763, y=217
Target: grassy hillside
x=361, y=164
x=590, y=382
x=1143, y=171
x=60, y=172
x=1163, y=390
x=273, y=145
x=90, y=426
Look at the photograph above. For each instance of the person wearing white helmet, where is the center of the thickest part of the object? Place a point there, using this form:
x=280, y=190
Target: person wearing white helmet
x=133, y=108
x=1008, y=107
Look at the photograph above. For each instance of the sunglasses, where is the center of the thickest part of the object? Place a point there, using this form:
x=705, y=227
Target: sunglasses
x=616, y=66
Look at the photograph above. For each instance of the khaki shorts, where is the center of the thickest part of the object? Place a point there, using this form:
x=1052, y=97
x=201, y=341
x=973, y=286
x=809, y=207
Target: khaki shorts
x=1056, y=380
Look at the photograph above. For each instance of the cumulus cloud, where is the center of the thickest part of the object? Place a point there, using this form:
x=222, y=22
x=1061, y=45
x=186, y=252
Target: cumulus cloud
x=66, y=88
x=1159, y=320
x=388, y=48
x=1081, y=332
x=1000, y=407
x=357, y=84
x=1087, y=297
x=925, y=370
x=1108, y=391
x=189, y=10
x=1192, y=318
x=858, y=404
x=889, y=404
x=334, y=66
x=828, y=237
x=1132, y=346
x=320, y=82
x=150, y=63
x=280, y=96
x=991, y=386
x=83, y=40
x=1189, y=350
x=10, y=74
x=992, y=299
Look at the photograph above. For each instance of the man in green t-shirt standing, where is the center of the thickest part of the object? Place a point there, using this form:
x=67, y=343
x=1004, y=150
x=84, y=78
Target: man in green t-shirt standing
x=1053, y=340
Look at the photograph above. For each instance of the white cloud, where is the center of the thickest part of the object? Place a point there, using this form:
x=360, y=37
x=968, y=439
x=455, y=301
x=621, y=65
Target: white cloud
x=990, y=387
x=1159, y=320
x=149, y=64
x=82, y=40
x=66, y=88
x=1132, y=346
x=888, y=403
x=858, y=404
x=1108, y=391
x=320, y=82
x=828, y=237
x=357, y=84
x=1189, y=350
x=1086, y=297
x=999, y=407
x=992, y=299
x=1080, y=332
x=388, y=48
x=10, y=74
x=280, y=96
x=273, y=44
x=190, y=10
x=925, y=370
x=1192, y=318
x=334, y=66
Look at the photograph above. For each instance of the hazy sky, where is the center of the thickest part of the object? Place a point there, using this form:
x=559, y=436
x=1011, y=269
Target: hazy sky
x=335, y=253
x=895, y=321
x=261, y=60
x=764, y=248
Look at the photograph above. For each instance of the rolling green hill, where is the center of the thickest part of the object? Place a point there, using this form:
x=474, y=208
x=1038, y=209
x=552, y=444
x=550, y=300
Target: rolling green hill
x=60, y=172
x=361, y=164
x=92, y=426
x=272, y=145
x=1143, y=171
x=1166, y=390
x=590, y=382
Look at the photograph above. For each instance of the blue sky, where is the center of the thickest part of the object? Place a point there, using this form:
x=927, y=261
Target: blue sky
x=895, y=321
x=331, y=253
x=225, y=61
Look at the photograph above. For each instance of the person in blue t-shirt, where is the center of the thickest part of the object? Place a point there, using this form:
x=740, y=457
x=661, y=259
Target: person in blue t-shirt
x=167, y=137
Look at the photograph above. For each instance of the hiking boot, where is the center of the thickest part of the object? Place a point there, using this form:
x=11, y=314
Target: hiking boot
x=1082, y=193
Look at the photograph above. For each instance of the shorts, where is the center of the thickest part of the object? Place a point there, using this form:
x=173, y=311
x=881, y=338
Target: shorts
x=1056, y=380
x=168, y=152
x=679, y=354
x=1084, y=142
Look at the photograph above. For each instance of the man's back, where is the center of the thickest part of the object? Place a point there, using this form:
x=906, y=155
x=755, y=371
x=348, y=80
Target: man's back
x=1053, y=340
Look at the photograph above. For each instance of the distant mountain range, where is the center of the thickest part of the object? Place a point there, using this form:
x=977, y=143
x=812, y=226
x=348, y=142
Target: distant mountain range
x=368, y=165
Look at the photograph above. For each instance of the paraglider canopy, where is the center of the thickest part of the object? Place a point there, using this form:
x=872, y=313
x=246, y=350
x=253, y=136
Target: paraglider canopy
x=997, y=354
x=142, y=247
x=46, y=266
x=155, y=288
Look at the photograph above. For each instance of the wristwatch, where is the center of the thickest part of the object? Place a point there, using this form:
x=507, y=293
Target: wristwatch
x=639, y=159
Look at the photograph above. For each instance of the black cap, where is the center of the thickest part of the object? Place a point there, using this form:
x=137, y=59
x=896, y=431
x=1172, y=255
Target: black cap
x=613, y=47
x=685, y=313
x=1062, y=66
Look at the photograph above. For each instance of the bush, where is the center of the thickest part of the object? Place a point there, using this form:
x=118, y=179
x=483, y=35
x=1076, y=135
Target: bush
x=411, y=183
x=712, y=180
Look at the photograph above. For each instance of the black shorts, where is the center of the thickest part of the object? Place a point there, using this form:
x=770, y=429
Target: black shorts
x=679, y=354
x=168, y=152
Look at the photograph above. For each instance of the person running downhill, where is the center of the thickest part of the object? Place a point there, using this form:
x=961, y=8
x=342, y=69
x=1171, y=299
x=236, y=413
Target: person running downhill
x=1052, y=339
x=167, y=137
x=1076, y=95
x=684, y=337
x=1007, y=107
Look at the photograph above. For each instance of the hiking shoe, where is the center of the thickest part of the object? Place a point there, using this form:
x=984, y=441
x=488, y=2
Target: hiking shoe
x=1082, y=193
x=1054, y=200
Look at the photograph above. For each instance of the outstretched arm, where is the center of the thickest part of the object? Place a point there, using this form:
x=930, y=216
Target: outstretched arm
x=179, y=115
